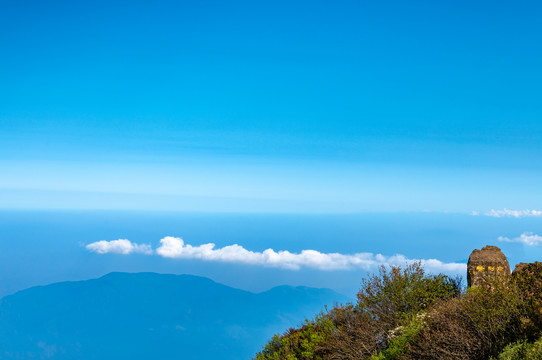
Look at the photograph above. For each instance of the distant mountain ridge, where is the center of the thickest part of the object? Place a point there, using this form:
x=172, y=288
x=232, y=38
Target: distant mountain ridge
x=149, y=315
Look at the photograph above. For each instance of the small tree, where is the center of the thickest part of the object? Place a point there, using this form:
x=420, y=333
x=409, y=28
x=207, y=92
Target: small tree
x=397, y=293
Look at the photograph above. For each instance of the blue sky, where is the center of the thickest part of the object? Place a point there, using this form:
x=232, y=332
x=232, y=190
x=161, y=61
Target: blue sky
x=271, y=106
x=405, y=112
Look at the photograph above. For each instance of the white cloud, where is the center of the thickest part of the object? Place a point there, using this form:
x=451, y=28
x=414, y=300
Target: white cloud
x=120, y=246
x=525, y=238
x=173, y=247
x=511, y=213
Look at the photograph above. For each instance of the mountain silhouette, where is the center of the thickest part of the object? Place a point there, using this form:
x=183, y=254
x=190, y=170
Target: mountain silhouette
x=150, y=316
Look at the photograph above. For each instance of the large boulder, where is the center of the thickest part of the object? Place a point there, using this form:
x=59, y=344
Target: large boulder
x=486, y=264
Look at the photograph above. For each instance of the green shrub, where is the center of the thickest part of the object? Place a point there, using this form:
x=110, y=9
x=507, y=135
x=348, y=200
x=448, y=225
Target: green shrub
x=535, y=351
x=399, y=344
x=403, y=313
x=391, y=298
x=522, y=350
x=396, y=293
x=300, y=344
x=515, y=351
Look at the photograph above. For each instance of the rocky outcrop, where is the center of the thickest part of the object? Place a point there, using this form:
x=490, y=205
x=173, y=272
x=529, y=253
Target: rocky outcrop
x=486, y=264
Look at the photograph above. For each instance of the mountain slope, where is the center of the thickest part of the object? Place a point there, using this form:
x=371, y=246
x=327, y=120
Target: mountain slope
x=147, y=315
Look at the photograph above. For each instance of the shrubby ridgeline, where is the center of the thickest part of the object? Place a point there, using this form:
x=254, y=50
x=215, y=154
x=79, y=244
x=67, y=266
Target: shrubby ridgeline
x=405, y=313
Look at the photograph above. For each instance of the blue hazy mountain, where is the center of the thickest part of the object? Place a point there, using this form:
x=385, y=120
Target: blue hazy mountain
x=150, y=316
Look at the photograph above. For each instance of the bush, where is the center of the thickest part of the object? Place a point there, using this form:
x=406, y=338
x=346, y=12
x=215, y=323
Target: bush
x=529, y=283
x=522, y=350
x=535, y=351
x=387, y=300
x=300, y=344
x=515, y=351
x=402, y=338
x=476, y=326
x=355, y=336
x=403, y=313
x=396, y=294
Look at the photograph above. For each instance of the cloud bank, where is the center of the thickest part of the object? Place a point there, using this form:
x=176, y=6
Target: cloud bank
x=510, y=213
x=175, y=248
x=526, y=238
x=120, y=246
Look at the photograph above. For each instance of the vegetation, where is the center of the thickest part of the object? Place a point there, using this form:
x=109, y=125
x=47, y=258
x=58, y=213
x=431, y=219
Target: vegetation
x=405, y=313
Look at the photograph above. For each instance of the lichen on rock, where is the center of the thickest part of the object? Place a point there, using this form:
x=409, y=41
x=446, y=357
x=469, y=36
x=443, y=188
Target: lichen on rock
x=486, y=264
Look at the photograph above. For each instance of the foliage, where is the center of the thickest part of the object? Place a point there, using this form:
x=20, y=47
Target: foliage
x=396, y=293
x=521, y=350
x=476, y=326
x=356, y=334
x=398, y=345
x=299, y=344
x=529, y=283
x=514, y=351
x=405, y=314
x=535, y=351
x=391, y=298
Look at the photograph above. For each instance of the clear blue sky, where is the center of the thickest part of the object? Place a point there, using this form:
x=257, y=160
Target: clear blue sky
x=288, y=106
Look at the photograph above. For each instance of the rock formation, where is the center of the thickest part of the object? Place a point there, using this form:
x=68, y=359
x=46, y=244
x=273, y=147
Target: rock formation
x=486, y=264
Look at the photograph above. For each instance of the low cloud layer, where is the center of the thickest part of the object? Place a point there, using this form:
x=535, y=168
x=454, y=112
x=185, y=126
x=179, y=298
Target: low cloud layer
x=510, y=213
x=120, y=246
x=174, y=247
x=525, y=238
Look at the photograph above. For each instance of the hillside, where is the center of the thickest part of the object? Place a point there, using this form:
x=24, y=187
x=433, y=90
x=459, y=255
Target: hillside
x=148, y=315
x=405, y=313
